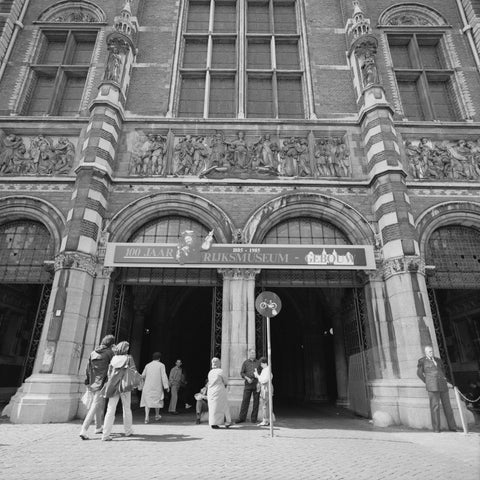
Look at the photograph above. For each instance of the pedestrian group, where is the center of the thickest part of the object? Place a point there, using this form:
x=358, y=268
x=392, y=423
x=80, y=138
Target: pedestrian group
x=111, y=374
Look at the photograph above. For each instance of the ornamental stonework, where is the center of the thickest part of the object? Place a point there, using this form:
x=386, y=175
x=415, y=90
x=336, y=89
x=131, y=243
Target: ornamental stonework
x=405, y=264
x=239, y=156
x=76, y=261
x=446, y=159
x=39, y=155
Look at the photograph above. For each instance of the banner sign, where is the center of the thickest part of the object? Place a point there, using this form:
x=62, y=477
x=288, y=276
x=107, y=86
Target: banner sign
x=188, y=255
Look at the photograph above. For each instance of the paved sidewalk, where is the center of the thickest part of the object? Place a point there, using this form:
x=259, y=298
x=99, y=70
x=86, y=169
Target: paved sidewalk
x=307, y=445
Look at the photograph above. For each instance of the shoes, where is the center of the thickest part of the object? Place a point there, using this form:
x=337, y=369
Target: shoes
x=452, y=430
x=263, y=424
x=173, y=413
x=215, y=427
x=239, y=421
x=84, y=436
x=157, y=417
x=197, y=421
x=254, y=420
x=187, y=406
x=147, y=420
x=99, y=430
x=228, y=425
x=107, y=439
x=437, y=431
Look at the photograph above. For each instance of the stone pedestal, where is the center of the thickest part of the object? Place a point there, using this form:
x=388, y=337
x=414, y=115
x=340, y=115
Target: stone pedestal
x=406, y=402
x=46, y=398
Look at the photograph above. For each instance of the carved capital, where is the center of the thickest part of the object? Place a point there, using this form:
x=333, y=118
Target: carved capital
x=239, y=273
x=76, y=261
x=405, y=264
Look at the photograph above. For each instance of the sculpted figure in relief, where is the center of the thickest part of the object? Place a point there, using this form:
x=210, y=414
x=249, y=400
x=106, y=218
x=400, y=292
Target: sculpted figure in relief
x=457, y=160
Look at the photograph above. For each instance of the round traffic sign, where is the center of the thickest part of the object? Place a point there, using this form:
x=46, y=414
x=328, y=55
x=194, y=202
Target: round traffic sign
x=268, y=304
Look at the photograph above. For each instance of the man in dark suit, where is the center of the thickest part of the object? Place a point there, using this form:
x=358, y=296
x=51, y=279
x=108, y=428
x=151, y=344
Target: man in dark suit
x=431, y=372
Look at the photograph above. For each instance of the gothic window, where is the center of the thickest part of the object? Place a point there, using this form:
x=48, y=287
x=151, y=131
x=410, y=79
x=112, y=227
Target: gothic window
x=60, y=71
x=428, y=82
x=168, y=230
x=306, y=230
x=424, y=79
x=24, y=247
x=241, y=58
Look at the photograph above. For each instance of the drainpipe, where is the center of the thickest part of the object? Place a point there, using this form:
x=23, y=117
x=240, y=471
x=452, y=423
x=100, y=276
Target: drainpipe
x=16, y=27
x=467, y=29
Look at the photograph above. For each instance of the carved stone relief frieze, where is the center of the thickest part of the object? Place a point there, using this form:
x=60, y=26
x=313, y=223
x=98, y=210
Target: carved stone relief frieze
x=39, y=155
x=220, y=156
x=446, y=159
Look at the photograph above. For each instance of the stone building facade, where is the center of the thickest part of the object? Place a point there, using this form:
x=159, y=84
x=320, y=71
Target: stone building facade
x=319, y=122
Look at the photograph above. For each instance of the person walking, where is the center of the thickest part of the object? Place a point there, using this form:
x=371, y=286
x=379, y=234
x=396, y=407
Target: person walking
x=97, y=370
x=113, y=391
x=250, y=387
x=430, y=370
x=156, y=382
x=263, y=378
x=218, y=408
x=175, y=378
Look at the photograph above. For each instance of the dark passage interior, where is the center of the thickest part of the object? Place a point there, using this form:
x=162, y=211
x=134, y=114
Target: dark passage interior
x=303, y=343
x=178, y=324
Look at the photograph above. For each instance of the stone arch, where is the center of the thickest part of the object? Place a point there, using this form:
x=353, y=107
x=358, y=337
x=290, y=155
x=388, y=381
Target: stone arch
x=73, y=12
x=141, y=211
x=448, y=213
x=23, y=207
x=346, y=218
x=410, y=14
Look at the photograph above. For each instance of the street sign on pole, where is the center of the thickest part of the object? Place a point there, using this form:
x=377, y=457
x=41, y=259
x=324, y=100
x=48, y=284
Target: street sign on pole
x=269, y=305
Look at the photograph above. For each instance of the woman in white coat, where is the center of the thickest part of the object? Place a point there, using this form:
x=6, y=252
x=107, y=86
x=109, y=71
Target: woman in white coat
x=218, y=408
x=156, y=381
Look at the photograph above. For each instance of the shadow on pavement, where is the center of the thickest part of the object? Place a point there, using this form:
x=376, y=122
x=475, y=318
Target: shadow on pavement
x=166, y=438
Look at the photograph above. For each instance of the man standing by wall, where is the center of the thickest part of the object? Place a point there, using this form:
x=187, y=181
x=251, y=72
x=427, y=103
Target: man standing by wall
x=247, y=373
x=97, y=369
x=430, y=370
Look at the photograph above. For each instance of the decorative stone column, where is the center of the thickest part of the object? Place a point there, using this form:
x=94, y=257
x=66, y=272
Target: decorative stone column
x=400, y=398
x=238, y=328
x=51, y=394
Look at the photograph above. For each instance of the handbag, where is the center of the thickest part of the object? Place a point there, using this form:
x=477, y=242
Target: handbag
x=87, y=398
x=112, y=386
x=131, y=379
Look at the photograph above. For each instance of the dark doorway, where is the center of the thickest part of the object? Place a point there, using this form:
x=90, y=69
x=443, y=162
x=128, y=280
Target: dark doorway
x=303, y=358
x=178, y=323
x=19, y=310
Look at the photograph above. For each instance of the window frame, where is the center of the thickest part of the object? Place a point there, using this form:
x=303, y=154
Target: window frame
x=63, y=70
x=420, y=74
x=242, y=73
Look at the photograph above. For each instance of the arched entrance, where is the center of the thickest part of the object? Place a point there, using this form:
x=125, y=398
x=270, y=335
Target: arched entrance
x=454, y=290
x=176, y=311
x=318, y=339
x=26, y=249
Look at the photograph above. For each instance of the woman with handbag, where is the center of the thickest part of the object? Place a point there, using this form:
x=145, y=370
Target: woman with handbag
x=122, y=379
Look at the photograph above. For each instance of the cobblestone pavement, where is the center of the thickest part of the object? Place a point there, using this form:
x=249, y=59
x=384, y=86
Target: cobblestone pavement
x=308, y=444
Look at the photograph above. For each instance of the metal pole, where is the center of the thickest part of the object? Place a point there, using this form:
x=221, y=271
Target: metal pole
x=459, y=405
x=270, y=396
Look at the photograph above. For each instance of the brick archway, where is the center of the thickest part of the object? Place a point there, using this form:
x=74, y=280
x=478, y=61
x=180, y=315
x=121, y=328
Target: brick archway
x=141, y=211
x=339, y=214
x=466, y=214
x=24, y=207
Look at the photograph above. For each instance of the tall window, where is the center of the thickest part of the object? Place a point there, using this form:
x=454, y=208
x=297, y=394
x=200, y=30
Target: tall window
x=60, y=72
x=241, y=58
x=424, y=80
